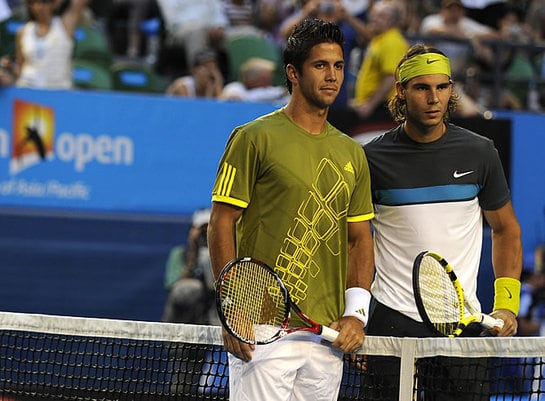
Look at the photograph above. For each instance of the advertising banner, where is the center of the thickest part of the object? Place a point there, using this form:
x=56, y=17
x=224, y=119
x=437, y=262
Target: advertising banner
x=96, y=151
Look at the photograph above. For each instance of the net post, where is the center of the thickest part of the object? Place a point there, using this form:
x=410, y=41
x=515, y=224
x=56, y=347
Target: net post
x=406, y=369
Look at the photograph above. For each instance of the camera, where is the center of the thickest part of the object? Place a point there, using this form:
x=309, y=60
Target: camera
x=327, y=7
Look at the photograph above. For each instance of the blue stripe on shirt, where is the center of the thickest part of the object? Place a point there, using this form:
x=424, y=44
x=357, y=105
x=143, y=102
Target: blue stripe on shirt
x=440, y=193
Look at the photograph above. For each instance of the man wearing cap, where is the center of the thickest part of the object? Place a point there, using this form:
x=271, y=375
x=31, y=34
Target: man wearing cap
x=206, y=79
x=432, y=184
x=450, y=27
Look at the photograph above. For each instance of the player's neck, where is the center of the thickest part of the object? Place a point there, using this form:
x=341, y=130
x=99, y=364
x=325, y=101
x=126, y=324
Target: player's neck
x=308, y=118
x=422, y=133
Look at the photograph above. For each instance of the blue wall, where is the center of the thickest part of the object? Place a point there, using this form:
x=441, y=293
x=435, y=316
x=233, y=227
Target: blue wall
x=86, y=230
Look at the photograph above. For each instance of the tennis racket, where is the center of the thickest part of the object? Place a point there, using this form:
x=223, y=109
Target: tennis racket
x=440, y=297
x=254, y=305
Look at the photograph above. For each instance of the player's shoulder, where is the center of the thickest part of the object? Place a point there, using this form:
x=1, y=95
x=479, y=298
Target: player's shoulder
x=387, y=137
x=468, y=136
x=261, y=123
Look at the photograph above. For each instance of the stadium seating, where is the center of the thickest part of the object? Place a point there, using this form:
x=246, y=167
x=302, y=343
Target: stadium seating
x=90, y=75
x=92, y=45
x=136, y=77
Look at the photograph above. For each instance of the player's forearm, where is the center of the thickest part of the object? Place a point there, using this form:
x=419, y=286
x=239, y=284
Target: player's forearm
x=507, y=253
x=361, y=265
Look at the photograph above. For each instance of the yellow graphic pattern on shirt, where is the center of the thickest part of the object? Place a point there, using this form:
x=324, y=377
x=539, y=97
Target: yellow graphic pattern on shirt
x=316, y=225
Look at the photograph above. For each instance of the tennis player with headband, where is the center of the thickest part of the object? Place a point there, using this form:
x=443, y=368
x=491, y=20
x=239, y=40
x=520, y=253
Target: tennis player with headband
x=432, y=183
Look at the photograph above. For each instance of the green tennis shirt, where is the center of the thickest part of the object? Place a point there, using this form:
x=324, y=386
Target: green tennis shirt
x=299, y=191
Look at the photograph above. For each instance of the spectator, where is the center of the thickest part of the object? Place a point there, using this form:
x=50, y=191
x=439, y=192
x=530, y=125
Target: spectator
x=194, y=25
x=206, y=79
x=7, y=71
x=376, y=78
x=532, y=305
x=241, y=15
x=535, y=19
x=461, y=39
x=271, y=15
x=45, y=45
x=486, y=12
x=188, y=277
x=256, y=84
x=462, y=34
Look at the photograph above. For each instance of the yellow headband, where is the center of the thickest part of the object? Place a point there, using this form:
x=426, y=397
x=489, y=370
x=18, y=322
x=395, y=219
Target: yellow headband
x=424, y=64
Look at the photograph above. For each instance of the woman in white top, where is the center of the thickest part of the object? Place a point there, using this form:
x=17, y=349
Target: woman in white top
x=45, y=45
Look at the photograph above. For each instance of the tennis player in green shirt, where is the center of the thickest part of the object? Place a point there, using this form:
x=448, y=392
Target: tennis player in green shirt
x=294, y=192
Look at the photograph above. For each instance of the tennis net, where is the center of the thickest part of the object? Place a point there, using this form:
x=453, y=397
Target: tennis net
x=70, y=358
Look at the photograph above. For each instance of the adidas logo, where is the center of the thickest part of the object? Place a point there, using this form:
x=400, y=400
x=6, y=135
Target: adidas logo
x=348, y=167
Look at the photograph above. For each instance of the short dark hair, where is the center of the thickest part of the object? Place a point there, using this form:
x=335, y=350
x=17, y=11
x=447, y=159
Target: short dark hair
x=306, y=35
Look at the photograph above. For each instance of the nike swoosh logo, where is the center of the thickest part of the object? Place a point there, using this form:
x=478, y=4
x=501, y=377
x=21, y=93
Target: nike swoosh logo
x=428, y=61
x=456, y=174
x=509, y=295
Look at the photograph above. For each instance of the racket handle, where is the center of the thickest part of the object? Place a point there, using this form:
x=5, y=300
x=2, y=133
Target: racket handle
x=329, y=334
x=488, y=322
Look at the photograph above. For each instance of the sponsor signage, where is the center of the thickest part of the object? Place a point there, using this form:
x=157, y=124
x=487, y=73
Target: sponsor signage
x=112, y=152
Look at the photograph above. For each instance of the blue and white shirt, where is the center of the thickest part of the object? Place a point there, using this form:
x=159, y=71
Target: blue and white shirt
x=430, y=196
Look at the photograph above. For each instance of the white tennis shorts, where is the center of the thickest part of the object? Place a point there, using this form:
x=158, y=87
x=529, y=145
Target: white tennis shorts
x=298, y=367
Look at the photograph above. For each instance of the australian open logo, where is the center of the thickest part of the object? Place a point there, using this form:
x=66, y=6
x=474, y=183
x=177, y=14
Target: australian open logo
x=33, y=135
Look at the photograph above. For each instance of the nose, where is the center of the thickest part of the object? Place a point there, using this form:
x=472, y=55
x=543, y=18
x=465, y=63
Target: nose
x=433, y=98
x=331, y=75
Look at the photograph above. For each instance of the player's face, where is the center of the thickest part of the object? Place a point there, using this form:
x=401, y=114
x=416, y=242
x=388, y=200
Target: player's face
x=322, y=75
x=427, y=99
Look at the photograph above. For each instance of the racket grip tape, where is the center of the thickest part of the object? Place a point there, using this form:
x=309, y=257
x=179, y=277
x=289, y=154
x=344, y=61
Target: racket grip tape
x=329, y=334
x=488, y=322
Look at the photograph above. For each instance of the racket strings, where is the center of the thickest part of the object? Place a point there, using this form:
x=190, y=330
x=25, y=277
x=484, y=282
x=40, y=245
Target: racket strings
x=252, y=302
x=439, y=296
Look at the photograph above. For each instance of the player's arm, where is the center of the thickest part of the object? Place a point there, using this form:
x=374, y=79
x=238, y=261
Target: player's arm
x=507, y=262
x=221, y=245
x=359, y=277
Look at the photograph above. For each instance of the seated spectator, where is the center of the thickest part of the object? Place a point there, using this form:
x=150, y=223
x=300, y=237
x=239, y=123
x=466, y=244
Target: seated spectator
x=45, y=44
x=206, y=79
x=462, y=34
x=188, y=277
x=256, y=84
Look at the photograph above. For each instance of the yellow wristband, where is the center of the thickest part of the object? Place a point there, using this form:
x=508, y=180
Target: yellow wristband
x=507, y=294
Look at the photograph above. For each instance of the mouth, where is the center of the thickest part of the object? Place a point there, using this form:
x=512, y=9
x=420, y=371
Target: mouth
x=330, y=89
x=433, y=113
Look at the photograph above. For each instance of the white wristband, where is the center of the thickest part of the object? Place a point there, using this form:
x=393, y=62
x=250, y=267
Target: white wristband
x=357, y=302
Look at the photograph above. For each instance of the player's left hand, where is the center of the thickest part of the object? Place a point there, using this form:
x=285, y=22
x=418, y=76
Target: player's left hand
x=351, y=334
x=510, y=324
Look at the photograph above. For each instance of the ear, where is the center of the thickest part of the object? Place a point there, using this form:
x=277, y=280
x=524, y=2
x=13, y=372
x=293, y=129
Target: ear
x=400, y=89
x=292, y=74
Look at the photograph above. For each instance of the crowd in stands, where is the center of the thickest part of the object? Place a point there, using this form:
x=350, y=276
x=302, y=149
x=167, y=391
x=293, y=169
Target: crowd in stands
x=497, y=47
